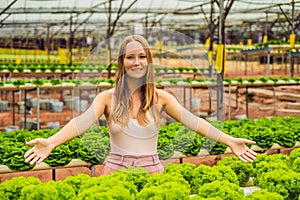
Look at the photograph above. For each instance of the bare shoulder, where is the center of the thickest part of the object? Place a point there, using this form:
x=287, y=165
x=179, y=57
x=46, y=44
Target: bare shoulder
x=165, y=96
x=161, y=93
x=103, y=97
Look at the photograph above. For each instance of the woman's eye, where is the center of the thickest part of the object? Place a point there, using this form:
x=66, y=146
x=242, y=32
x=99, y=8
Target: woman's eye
x=129, y=57
x=143, y=57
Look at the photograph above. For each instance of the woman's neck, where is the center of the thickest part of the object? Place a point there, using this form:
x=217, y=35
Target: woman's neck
x=134, y=85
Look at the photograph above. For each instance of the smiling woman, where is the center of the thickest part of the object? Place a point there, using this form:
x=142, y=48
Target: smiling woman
x=133, y=111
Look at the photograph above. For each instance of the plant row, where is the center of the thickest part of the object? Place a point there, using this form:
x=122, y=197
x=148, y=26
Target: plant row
x=159, y=81
x=265, y=132
x=93, y=146
x=277, y=176
x=86, y=67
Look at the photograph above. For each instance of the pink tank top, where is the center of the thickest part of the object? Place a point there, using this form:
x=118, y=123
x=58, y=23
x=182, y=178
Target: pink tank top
x=133, y=139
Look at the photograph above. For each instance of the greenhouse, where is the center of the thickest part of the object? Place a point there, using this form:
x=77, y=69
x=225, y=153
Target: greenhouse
x=149, y=99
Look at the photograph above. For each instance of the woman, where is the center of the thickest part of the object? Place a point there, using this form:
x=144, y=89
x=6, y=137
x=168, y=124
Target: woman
x=132, y=109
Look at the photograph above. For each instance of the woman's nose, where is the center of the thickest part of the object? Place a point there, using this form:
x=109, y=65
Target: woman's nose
x=136, y=61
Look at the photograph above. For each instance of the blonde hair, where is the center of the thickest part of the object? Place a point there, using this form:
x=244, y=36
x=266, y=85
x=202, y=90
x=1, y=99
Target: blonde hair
x=122, y=103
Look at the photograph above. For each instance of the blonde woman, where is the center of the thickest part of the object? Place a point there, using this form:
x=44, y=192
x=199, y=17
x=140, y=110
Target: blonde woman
x=133, y=112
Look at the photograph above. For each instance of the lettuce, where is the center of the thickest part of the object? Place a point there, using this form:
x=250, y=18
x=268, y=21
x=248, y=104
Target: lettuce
x=223, y=189
x=242, y=169
x=50, y=190
x=11, y=189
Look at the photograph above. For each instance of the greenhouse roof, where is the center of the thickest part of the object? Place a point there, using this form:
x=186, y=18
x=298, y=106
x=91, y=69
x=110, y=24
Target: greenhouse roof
x=37, y=17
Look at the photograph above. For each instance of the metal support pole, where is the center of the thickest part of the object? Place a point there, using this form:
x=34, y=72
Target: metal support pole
x=292, y=66
x=274, y=98
x=13, y=107
x=246, y=66
x=268, y=63
x=220, y=75
x=237, y=97
x=229, y=101
x=53, y=174
x=25, y=112
x=247, y=102
x=38, y=107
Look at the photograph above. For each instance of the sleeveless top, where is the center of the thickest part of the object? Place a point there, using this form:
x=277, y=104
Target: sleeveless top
x=133, y=139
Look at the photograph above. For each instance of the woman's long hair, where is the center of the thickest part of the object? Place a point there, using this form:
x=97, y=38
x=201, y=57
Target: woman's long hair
x=122, y=103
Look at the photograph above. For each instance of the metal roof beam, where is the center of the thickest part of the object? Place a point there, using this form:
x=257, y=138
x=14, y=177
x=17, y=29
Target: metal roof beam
x=7, y=7
x=94, y=10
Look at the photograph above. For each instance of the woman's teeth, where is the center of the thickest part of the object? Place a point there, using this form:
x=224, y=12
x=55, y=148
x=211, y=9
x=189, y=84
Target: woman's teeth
x=136, y=69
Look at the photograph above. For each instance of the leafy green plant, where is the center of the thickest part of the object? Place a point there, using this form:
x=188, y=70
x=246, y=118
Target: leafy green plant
x=228, y=80
x=251, y=80
x=10, y=68
x=274, y=158
x=165, y=186
x=285, y=135
x=95, y=145
x=213, y=147
x=296, y=79
x=18, y=83
x=263, y=79
x=60, y=156
x=264, y=167
x=286, y=79
x=76, y=181
x=239, y=80
x=243, y=170
x=53, y=68
x=32, y=68
x=187, y=141
x=38, y=82
x=185, y=169
x=11, y=189
x=108, y=187
x=223, y=189
x=296, y=165
x=20, y=68
x=274, y=79
x=13, y=155
x=263, y=136
x=42, y=68
x=55, y=82
x=294, y=154
x=204, y=174
x=50, y=190
x=138, y=176
x=284, y=182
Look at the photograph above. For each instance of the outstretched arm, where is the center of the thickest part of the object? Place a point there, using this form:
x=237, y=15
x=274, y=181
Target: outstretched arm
x=201, y=126
x=71, y=130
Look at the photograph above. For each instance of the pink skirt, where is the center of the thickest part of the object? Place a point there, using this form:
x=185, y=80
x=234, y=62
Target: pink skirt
x=116, y=162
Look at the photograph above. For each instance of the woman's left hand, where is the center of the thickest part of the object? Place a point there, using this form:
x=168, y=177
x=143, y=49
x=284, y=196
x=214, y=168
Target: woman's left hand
x=239, y=148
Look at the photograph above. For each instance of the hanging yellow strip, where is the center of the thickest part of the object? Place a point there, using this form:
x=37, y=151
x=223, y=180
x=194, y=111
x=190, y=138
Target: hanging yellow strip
x=249, y=41
x=62, y=56
x=18, y=60
x=292, y=40
x=210, y=58
x=207, y=42
x=265, y=38
x=220, y=65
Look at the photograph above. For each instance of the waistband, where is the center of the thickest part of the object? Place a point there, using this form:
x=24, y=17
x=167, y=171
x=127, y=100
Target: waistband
x=133, y=160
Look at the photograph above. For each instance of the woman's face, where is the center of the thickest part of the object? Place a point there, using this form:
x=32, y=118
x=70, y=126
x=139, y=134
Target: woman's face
x=135, y=61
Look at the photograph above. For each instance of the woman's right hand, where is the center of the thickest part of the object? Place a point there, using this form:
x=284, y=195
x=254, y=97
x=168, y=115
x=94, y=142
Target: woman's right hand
x=41, y=150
